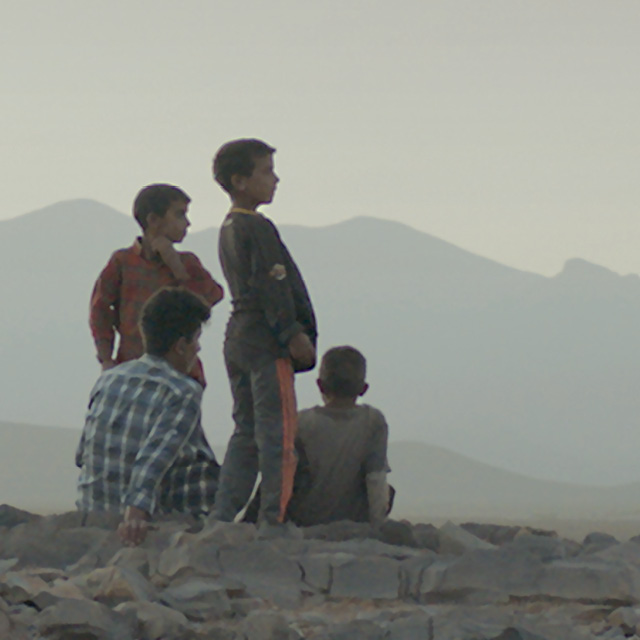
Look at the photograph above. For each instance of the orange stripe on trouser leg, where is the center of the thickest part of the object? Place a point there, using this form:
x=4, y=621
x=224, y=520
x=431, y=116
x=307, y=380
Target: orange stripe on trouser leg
x=289, y=428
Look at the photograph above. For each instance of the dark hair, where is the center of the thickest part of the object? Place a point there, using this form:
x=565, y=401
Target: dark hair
x=168, y=315
x=342, y=372
x=237, y=158
x=156, y=198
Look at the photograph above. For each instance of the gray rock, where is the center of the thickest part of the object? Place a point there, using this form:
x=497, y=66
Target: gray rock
x=61, y=589
x=84, y=620
x=396, y=533
x=156, y=621
x=242, y=607
x=597, y=541
x=144, y=561
x=365, y=547
x=198, y=598
x=113, y=585
x=316, y=571
x=5, y=622
x=96, y=555
x=620, y=554
x=411, y=573
x=426, y=536
x=366, y=577
x=227, y=533
x=454, y=539
x=513, y=633
x=415, y=626
x=357, y=629
x=11, y=517
x=545, y=548
x=268, y=625
x=498, y=535
x=188, y=554
x=19, y=586
x=495, y=575
x=625, y=616
x=7, y=565
x=31, y=543
x=339, y=531
x=590, y=579
x=265, y=571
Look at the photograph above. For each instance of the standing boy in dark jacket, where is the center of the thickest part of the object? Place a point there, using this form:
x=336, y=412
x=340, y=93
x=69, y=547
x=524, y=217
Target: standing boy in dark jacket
x=271, y=334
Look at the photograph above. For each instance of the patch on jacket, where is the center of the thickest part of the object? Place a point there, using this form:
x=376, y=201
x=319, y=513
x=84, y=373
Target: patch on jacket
x=278, y=272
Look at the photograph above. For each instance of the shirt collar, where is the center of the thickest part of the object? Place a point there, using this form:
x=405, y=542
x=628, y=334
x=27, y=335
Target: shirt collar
x=241, y=210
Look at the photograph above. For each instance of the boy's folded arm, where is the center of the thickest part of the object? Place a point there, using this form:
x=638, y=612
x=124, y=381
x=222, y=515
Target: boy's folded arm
x=200, y=281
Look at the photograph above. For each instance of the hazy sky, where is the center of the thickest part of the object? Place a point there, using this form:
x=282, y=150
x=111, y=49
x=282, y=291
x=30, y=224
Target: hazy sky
x=507, y=127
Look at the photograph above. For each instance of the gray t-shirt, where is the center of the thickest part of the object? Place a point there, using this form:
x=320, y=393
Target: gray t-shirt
x=337, y=449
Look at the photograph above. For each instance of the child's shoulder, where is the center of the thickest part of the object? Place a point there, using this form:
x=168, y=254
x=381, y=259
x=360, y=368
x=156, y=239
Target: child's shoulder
x=374, y=416
x=125, y=253
x=250, y=221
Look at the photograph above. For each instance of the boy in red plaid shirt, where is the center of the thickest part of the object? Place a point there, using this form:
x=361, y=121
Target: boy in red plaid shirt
x=134, y=274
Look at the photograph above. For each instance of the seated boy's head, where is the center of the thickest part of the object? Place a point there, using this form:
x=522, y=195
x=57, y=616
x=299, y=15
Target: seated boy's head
x=245, y=168
x=162, y=209
x=343, y=372
x=171, y=322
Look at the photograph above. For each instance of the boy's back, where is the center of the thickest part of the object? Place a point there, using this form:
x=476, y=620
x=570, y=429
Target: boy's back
x=338, y=448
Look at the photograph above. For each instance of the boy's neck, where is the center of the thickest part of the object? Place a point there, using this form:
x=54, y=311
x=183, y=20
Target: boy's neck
x=240, y=201
x=336, y=402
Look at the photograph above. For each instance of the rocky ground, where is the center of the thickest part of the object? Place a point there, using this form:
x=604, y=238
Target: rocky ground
x=197, y=581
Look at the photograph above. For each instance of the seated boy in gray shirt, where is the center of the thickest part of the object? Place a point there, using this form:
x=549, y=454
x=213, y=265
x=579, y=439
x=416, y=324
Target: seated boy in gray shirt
x=342, y=449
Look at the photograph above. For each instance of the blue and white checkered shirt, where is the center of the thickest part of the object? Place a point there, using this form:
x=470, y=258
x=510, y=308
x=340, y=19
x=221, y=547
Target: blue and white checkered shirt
x=143, y=443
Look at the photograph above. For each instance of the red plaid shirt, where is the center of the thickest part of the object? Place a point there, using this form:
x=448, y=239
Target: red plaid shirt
x=126, y=283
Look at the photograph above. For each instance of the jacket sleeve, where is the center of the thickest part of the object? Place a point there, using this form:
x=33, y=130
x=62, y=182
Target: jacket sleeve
x=175, y=425
x=200, y=280
x=270, y=278
x=103, y=308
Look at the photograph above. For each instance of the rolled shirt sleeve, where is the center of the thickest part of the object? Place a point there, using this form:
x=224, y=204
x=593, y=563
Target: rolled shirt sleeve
x=104, y=299
x=376, y=459
x=201, y=281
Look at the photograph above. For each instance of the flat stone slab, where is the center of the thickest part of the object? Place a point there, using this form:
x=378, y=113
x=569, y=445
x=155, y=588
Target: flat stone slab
x=368, y=578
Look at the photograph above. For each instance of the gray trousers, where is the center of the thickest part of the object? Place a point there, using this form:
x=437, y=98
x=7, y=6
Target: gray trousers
x=265, y=417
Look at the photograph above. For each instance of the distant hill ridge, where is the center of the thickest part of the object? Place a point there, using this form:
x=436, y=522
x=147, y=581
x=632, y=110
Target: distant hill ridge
x=39, y=474
x=524, y=372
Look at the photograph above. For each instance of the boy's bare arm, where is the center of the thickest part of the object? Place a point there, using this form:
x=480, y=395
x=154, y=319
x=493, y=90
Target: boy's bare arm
x=165, y=249
x=378, y=496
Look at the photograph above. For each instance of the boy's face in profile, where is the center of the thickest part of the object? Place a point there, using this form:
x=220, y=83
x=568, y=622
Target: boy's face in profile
x=173, y=225
x=260, y=187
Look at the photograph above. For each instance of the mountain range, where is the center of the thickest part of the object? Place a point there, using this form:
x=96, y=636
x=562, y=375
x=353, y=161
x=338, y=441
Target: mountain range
x=431, y=483
x=523, y=372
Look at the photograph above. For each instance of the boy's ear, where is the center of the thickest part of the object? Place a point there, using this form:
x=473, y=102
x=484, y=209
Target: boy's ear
x=365, y=388
x=238, y=182
x=320, y=385
x=180, y=345
x=152, y=220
